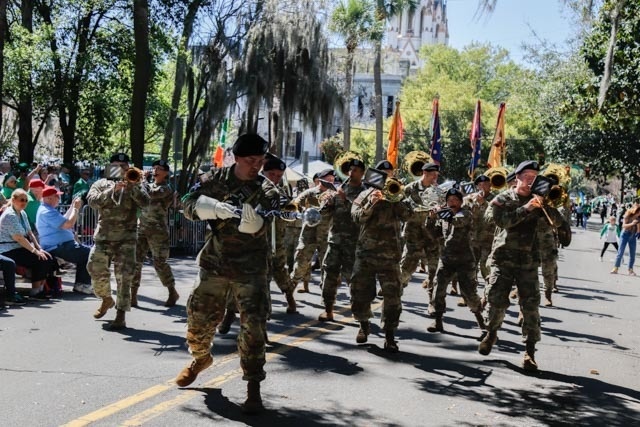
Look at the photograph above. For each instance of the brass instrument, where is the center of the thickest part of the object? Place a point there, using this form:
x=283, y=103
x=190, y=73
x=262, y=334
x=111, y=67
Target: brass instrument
x=133, y=175
x=393, y=190
x=342, y=162
x=498, y=177
x=414, y=161
x=558, y=193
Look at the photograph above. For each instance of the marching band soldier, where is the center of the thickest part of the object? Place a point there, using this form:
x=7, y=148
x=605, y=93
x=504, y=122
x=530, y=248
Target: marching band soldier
x=513, y=260
x=293, y=228
x=312, y=238
x=456, y=260
x=482, y=231
x=234, y=260
x=343, y=235
x=153, y=233
x=547, y=244
x=378, y=253
x=117, y=201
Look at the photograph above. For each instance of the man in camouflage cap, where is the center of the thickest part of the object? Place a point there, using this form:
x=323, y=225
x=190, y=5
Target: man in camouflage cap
x=153, y=233
x=513, y=260
x=117, y=201
x=233, y=261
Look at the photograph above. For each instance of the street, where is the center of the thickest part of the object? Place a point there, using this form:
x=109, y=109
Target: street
x=59, y=366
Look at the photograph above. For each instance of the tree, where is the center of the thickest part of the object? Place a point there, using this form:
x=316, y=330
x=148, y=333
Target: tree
x=141, y=79
x=355, y=22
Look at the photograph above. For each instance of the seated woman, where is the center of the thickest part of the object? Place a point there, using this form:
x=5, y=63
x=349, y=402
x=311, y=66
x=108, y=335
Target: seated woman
x=18, y=242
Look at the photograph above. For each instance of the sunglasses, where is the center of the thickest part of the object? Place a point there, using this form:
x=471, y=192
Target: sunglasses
x=20, y=199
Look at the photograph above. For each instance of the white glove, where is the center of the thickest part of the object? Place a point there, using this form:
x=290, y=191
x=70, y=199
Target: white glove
x=250, y=222
x=210, y=208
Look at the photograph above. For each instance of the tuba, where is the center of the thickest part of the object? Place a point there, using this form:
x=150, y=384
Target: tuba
x=498, y=177
x=413, y=162
x=342, y=162
x=393, y=190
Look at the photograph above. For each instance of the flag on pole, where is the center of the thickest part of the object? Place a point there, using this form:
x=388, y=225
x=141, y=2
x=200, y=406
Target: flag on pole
x=498, y=145
x=436, y=137
x=476, y=140
x=218, y=157
x=396, y=133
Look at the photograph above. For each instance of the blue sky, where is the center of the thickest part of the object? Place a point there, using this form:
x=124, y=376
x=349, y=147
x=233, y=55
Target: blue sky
x=510, y=24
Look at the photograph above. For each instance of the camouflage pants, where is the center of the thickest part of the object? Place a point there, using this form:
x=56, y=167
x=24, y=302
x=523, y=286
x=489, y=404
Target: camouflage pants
x=481, y=254
x=123, y=256
x=549, y=267
x=466, y=275
x=291, y=237
x=413, y=252
x=206, y=307
x=304, y=254
x=278, y=260
x=502, y=278
x=159, y=245
x=363, y=290
x=337, y=263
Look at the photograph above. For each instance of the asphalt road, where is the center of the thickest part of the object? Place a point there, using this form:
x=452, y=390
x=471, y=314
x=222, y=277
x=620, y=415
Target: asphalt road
x=58, y=366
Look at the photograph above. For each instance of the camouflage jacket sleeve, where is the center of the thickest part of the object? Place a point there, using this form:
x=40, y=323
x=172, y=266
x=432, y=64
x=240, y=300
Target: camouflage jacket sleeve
x=138, y=194
x=161, y=195
x=361, y=207
x=507, y=210
x=100, y=194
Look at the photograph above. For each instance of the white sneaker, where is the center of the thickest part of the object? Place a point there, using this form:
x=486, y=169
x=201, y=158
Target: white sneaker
x=600, y=259
x=82, y=288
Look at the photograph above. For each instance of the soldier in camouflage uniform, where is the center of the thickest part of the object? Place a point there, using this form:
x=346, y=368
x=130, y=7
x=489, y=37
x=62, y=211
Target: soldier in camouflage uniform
x=513, y=260
x=422, y=238
x=547, y=246
x=293, y=228
x=378, y=254
x=343, y=235
x=482, y=231
x=456, y=260
x=234, y=260
x=153, y=233
x=117, y=201
x=312, y=238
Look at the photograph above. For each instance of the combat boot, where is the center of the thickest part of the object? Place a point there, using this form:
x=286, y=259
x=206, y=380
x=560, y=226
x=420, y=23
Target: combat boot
x=253, y=404
x=462, y=302
x=480, y=320
x=327, y=316
x=425, y=284
x=529, y=362
x=106, y=304
x=173, y=297
x=436, y=326
x=291, y=303
x=547, y=298
x=190, y=373
x=514, y=294
x=487, y=343
x=454, y=288
x=305, y=288
x=363, y=333
x=227, y=321
x=134, y=297
x=390, y=343
x=119, y=322
x=520, y=318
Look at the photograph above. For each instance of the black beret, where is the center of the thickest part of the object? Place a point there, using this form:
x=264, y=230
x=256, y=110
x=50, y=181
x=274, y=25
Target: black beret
x=274, y=162
x=511, y=176
x=527, y=164
x=249, y=144
x=324, y=172
x=357, y=163
x=384, y=165
x=162, y=163
x=118, y=157
x=453, y=191
x=431, y=167
x=481, y=178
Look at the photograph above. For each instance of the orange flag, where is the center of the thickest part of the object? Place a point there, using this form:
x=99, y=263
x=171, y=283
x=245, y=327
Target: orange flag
x=498, y=146
x=395, y=136
x=218, y=157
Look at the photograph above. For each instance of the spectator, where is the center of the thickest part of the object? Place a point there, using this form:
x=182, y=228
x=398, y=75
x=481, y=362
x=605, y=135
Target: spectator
x=18, y=242
x=628, y=236
x=8, y=268
x=34, y=195
x=81, y=187
x=611, y=233
x=9, y=184
x=56, y=236
x=603, y=212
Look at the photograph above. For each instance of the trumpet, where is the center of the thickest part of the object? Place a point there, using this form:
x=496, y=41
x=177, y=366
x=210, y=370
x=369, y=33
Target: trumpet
x=133, y=175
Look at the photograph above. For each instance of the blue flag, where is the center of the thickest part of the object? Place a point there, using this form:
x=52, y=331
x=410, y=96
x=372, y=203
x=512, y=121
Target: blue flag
x=436, y=137
x=476, y=140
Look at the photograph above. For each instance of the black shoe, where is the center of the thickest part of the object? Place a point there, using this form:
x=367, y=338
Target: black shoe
x=40, y=296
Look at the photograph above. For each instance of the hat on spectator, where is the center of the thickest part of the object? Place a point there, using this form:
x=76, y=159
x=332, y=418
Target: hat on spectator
x=36, y=183
x=7, y=178
x=527, y=165
x=274, y=162
x=118, y=157
x=23, y=166
x=384, y=165
x=51, y=191
x=431, y=167
x=249, y=144
x=162, y=163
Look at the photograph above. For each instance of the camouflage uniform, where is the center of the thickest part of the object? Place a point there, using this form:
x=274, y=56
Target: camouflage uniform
x=418, y=241
x=153, y=233
x=457, y=259
x=231, y=263
x=482, y=231
x=378, y=256
x=547, y=254
x=311, y=238
x=278, y=253
x=291, y=237
x=115, y=238
x=513, y=260
x=432, y=198
x=341, y=250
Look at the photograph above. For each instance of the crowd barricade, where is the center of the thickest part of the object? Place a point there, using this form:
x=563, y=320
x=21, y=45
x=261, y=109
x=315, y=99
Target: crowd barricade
x=185, y=236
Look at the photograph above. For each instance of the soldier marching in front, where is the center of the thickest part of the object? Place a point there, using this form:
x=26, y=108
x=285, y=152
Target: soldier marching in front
x=153, y=233
x=117, y=199
x=343, y=236
x=513, y=260
x=482, y=231
x=234, y=260
x=378, y=254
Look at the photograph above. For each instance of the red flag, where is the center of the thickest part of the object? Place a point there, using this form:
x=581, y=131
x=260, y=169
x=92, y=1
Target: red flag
x=498, y=146
x=396, y=133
